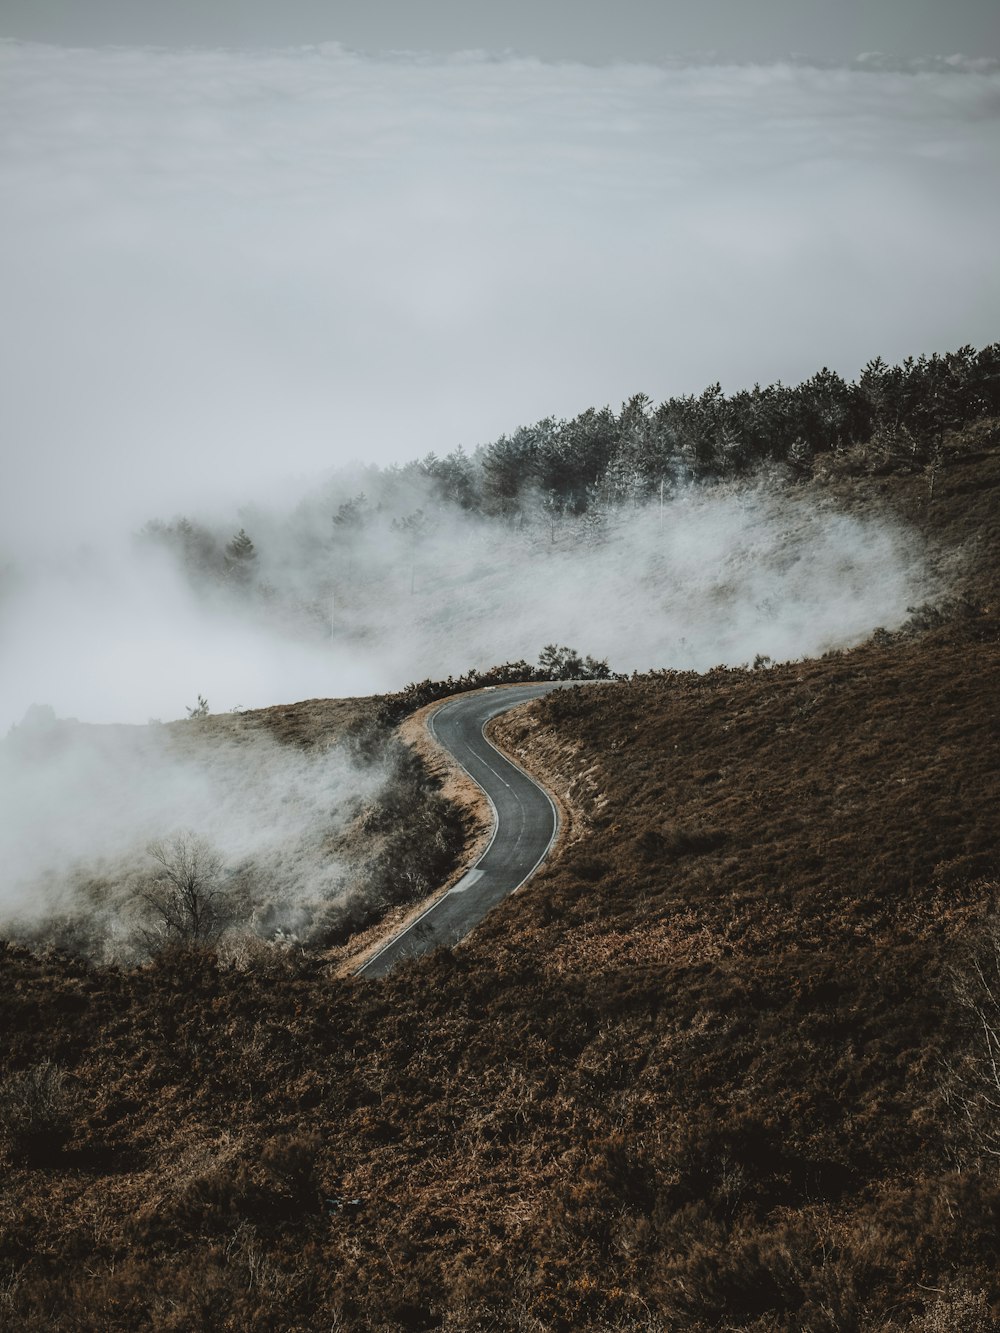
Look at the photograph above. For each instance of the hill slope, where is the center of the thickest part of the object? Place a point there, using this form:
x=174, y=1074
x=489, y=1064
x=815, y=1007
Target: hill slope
x=710, y=1069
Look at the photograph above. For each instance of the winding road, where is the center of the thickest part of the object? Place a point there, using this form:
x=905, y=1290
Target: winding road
x=525, y=823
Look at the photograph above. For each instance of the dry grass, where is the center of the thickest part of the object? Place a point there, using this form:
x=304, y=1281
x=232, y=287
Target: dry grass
x=694, y=1076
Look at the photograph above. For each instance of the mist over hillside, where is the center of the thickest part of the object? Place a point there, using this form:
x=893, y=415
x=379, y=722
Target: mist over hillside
x=703, y=531
x=418, y=589
x=685, y=534
x=290, y=827
x=82, y=805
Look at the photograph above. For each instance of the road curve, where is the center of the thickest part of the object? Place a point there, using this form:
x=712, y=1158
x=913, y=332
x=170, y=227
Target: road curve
x=525, y=822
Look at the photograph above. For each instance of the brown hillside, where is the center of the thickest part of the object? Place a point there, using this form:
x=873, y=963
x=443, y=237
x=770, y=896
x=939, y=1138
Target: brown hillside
x=707, y=1071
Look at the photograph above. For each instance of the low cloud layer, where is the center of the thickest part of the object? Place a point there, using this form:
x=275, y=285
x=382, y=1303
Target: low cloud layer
x=223, y=268
x=719, y=574
x=81, y=804
x=586, y=30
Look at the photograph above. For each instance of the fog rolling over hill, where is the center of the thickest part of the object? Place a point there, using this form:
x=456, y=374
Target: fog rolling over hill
x=81, y=806
x=371, y=580
x=245, y=834
x=374, y=581
x=705, y=529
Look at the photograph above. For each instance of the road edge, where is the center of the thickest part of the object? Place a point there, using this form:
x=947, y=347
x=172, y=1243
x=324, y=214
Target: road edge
x=417, y=730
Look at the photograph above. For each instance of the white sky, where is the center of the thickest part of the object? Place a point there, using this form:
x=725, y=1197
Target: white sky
x=589, y=30
x=221, y=268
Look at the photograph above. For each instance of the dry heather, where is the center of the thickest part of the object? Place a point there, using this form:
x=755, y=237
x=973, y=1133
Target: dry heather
x=315, y=824
x=711, y=1069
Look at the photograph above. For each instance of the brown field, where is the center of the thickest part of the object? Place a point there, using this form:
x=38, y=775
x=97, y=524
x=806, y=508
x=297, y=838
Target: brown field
x=715, y=1067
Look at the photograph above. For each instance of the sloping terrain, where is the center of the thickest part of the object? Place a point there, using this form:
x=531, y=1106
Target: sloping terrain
x=313, y=822
x=714, y=1067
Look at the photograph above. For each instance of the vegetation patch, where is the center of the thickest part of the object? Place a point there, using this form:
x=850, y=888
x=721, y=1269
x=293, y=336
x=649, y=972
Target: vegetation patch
x=726, y=1062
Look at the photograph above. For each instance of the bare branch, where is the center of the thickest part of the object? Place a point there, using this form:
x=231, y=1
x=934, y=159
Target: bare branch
x=187, y=896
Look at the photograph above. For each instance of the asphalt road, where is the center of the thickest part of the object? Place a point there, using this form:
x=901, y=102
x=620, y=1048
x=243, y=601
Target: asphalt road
x=525, y=824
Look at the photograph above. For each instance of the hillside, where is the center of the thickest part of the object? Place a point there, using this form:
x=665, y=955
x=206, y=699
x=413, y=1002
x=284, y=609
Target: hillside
x=700, y=530
x=714, y=1067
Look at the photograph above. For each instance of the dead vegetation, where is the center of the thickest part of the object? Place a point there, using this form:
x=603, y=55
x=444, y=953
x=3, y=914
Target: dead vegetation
x=374, y=835
x=706, y=1071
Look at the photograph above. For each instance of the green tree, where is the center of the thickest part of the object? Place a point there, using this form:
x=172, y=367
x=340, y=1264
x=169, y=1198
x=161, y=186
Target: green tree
x=241, y=559
x=562, y=663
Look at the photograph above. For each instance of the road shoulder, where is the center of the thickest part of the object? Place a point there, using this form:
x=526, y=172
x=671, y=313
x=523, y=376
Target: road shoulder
x=457, y=786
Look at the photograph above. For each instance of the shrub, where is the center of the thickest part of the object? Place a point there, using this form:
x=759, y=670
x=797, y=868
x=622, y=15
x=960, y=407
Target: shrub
x=956, y=1309
x=35, y=1112
x=289, y=1161
x=557, y=662
x=186, y=896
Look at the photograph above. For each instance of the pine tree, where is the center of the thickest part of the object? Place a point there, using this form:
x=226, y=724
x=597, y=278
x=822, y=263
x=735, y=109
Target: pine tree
x=241, y=556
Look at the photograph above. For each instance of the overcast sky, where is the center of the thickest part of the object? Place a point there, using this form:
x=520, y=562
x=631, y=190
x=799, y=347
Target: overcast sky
x=590, y=30
x=222, y=268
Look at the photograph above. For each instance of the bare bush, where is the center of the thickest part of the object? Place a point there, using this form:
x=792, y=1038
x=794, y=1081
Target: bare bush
x=35, y=1112
x=973, y=1085
x=958, y=1309
x=187, y=898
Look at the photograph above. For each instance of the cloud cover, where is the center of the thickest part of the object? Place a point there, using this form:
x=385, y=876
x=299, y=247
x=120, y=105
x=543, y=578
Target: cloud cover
x=80, y=804
x=224, y=268
x=720, y=574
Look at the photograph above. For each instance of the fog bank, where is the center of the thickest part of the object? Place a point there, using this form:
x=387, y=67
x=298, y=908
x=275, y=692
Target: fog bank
x=80, y=805
x=409, y=588
x=222, y=268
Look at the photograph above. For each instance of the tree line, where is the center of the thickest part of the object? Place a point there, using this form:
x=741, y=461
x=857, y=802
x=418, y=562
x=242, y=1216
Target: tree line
x=603, y=459
x=606, y=457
